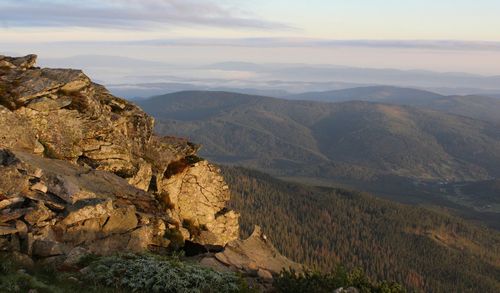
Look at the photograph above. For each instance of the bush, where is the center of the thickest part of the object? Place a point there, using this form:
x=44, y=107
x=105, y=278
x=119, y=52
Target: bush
x=316, y=282
x=120, y=273
x=149, y=273
x=14, y=278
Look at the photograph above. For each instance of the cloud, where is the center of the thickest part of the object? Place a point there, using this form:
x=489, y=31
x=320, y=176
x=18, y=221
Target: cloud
x=276, y=42
x=322, y=43
x=125, y=14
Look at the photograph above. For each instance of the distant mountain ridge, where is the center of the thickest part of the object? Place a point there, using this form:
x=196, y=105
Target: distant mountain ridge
x=474, y=106
x=396, y=77
x=382, y=94
x=399, y=152
x=367, y=138
x=125, y=77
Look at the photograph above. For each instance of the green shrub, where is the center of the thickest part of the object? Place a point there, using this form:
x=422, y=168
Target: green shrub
x=317, y=282
x=13, y=278
x=149, y=273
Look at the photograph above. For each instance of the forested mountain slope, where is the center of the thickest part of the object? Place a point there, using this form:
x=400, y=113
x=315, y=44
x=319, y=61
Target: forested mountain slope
x=473, y=106
x=353, y=140
x=323, y=227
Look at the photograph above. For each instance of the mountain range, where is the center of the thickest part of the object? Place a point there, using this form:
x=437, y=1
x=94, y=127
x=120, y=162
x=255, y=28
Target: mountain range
x=126, y=77
x=401, y=152
x=474, y=106
x=374, y=138
x=456, y=81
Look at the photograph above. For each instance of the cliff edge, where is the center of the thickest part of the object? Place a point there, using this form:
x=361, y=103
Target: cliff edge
x=82, y=170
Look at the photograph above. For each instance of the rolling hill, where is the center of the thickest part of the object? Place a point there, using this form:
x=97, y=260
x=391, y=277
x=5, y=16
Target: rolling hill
x=473, y=106
x=427, y=251
x=367, y=138
x=399, y=152
x=383, y=94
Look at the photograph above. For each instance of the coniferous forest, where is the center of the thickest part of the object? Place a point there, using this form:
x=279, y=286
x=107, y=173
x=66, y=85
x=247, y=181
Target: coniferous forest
x=324, y=227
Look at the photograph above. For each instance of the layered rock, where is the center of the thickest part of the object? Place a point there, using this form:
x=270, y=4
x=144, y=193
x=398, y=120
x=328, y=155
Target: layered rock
x=82, y=167
x=255, y=257
x=50, y=207
x=82, y=172
x=255, y=253
x=195, y=193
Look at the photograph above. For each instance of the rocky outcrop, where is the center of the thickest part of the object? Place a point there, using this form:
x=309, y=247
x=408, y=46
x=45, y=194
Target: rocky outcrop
x=195, y=193
x=82, y=172
x=101, y=170
x=255, y=254
x=255, y=258
x=49, y=207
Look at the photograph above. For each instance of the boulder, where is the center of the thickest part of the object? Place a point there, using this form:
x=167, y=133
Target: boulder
x=86, y=231
x=11, y=201
x=22, y=228
x=143, y=177
x=264, y=274
x=89, y=209
x=39, y=187
x=121, y=220
x=43, y=248
x=112, y=244
x=7, y=230
x=25, y=62
x=16, y=131
x=10, y=215
x=45, y=104
x=255, y=253
x=199, y=194
x=212, y=263
x=74, y=257
x=39, y=214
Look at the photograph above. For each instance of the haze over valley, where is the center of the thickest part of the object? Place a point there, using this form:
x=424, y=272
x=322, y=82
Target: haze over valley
x=126, y=77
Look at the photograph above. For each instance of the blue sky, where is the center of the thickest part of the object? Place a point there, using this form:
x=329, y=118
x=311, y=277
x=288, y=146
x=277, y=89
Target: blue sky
x=405, y=32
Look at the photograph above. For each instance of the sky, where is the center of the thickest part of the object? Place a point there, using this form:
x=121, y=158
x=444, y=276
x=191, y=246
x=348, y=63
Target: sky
x=441, y=35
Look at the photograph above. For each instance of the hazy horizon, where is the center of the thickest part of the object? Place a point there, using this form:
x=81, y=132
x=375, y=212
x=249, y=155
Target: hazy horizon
x=450, y=36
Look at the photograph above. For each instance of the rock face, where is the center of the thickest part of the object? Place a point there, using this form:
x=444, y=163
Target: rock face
x=255, y=253
x=82, y=172
x=82, y=168
x=254, y=257
x=195, y=193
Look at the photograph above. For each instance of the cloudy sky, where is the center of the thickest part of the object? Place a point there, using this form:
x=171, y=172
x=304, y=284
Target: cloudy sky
x=443, y=35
